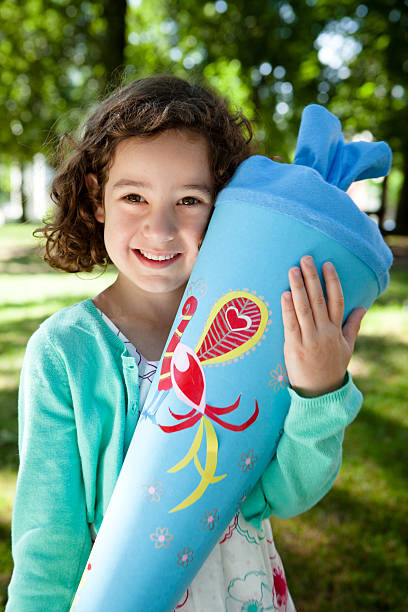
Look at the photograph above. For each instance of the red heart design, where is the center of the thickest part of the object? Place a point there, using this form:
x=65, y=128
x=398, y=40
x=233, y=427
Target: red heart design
x=235, y=321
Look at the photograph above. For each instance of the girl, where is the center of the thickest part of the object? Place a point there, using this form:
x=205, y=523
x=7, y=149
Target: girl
x=137, y=191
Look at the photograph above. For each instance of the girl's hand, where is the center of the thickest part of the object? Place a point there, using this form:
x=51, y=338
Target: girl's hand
x=317, y=349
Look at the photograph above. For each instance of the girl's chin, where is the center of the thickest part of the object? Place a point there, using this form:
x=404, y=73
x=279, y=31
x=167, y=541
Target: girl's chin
x=162, y=288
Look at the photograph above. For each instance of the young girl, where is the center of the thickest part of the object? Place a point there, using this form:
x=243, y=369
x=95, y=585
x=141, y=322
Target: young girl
x=137, y=191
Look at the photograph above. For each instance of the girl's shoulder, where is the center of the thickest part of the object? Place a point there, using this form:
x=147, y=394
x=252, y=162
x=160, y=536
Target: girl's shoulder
x=80, y=315
x=76, y=314
x=74, y=327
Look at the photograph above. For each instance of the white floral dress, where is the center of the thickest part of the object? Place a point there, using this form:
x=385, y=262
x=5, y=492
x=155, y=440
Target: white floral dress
x=244, y=572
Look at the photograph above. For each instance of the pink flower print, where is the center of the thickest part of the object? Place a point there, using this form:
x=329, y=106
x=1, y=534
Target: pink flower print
x=153, y=491
x=185, y=556
x=279, y=378
x=209, y=519
x=248, y=461
x=241, y=500
x=281, y=590
x=161, y=538
x=243, y=497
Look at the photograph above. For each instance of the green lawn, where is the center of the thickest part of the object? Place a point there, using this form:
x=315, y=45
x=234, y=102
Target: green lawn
x=347, y=553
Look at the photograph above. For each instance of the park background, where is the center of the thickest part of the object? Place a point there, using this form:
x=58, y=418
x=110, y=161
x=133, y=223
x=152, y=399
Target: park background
x=270, y=59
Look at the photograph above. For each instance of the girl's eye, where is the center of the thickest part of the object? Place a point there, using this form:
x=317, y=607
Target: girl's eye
x=134, y=197
x=189, y=201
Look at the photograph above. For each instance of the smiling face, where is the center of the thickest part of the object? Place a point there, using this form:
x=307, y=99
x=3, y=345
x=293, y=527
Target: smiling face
x=157, y=203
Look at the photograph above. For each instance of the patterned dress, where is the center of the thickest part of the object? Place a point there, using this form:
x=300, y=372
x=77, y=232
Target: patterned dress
x=244, y=572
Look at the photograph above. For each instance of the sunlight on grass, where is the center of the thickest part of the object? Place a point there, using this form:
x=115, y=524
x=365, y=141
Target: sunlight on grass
x=390, y=320
x=24, y=288
x=17, y=235
x=7, y=491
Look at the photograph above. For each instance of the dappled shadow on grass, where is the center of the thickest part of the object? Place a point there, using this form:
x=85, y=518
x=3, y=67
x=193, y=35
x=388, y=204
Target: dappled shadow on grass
x=52, y=303
x=382, y=441
x=5, y=562
x=25, y=264
x=397, y=292
x=8, y=428
x=383, y=356
x=4, y=581
x=30, y=261
x=14, y=335
x=349, y=552
x=346, y=554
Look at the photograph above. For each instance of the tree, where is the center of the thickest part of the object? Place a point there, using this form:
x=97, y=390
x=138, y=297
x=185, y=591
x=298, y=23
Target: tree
x=370, y=92
x=56, y=58
x=259, y=54
x=268, y=58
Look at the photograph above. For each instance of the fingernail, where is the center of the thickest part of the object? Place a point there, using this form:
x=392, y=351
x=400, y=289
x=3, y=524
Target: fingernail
x=329, y=265
x=308, y=260
x=296, y=271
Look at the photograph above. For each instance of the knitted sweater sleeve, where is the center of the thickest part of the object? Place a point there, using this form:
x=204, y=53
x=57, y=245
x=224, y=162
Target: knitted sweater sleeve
x=50, y=535
x=308, y=456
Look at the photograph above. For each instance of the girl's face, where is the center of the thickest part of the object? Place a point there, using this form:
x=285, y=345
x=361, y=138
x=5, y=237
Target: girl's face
x=157, y=203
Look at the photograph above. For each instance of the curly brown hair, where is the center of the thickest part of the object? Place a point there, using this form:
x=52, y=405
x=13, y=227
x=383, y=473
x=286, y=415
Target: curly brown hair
x=74, y=239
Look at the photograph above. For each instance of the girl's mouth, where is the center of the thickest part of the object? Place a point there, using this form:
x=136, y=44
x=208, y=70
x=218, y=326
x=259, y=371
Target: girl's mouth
x=152, y=260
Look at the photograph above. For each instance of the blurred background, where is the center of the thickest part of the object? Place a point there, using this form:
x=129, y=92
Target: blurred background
x=58, y=58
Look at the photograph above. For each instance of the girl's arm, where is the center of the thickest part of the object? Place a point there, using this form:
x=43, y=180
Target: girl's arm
x=308, y=457
x=50, y=535
x=317, y=352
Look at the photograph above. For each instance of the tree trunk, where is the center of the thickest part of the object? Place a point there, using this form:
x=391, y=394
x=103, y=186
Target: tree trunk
x=402, y=210
x=383, y=207
x=24, y=203
x=113, y=52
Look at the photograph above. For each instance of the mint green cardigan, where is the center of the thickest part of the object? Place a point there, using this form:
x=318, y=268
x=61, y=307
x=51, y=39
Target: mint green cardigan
x=78, y=408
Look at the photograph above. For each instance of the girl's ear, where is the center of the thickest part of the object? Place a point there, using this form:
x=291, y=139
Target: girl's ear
x=93, y=189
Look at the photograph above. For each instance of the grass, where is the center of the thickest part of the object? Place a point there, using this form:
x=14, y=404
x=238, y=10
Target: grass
x=347, y=553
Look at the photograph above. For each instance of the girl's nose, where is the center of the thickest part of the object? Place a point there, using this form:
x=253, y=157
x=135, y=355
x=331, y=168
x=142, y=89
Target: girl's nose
x=159, y=225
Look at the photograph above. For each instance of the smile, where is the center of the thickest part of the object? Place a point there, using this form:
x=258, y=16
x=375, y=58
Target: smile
x=157, y=257
x=153, y=260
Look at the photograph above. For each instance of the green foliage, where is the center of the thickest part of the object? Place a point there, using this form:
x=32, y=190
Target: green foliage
x=224, y=75
x=54, y=61
x=249, y=52
x=269, y=58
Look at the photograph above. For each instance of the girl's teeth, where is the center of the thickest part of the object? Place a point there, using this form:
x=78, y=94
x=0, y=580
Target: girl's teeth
x=157, y=257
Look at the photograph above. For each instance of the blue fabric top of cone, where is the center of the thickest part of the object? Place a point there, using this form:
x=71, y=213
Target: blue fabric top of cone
x=312, y=189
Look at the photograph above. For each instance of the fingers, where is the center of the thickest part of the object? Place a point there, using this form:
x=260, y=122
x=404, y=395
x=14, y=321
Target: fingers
x=352, y=326
x=310, y=308
x=314, y=290
x=335, y=299
x=301, y=303
x=290, y=322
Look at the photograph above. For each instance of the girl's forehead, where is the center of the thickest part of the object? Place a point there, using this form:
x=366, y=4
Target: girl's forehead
x=177, y=143
x=180, y=152
x=169, y=137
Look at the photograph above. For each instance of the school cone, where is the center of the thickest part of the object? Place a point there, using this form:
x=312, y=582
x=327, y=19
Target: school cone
x=216, y=408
